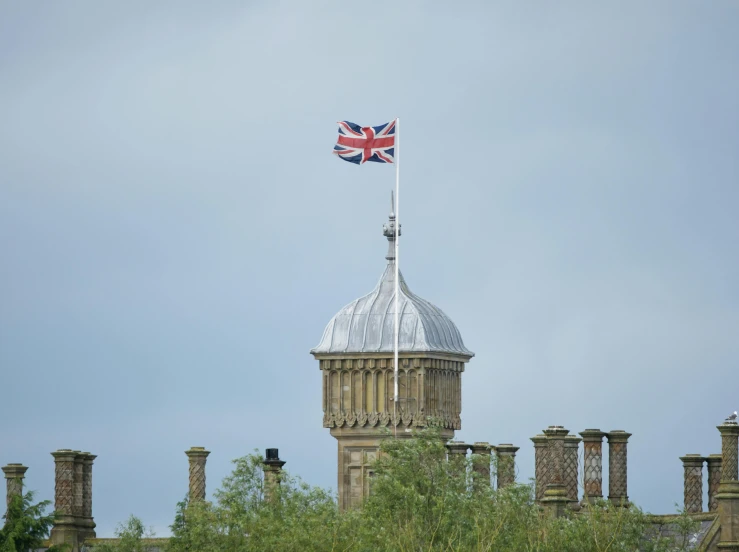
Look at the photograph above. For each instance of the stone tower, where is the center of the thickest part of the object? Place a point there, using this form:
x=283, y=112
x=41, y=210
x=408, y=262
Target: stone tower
x=356, y=361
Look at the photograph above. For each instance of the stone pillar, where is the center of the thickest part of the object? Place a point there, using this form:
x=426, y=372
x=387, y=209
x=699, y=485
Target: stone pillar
x=693, y=482
x=555, y=499
x=714, y=478
x=272, y=473
x=481, y=465
x=86, y=522
x=592, y=443
x=542, y=473
x=506, y=454
x=570, y=473
x=65, y=526
x=728, y=490
x=14, y=475
x=197, y=457
x=617, y=467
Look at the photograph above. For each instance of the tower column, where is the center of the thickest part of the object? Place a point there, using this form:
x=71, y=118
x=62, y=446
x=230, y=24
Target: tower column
x=592, y=465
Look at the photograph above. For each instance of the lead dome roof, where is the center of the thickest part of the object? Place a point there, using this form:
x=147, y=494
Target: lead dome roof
x=366, y=325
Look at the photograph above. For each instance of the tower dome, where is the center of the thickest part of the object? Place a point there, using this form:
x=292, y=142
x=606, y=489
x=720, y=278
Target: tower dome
x=367, y=324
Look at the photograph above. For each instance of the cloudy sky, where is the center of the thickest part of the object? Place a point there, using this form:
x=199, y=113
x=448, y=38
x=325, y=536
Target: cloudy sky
x=175, y=233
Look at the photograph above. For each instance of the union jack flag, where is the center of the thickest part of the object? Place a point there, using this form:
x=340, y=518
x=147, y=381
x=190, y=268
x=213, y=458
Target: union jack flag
x=360, y=144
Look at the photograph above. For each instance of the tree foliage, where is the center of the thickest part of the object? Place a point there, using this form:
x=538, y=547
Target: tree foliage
x=420, y=502
x=26, y=524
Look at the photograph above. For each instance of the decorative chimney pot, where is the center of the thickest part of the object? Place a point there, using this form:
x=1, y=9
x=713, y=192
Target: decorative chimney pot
x=555, y=499
x=714, y=479
x=481, y=464
x=506, y=454
x=197, y=457
x=272, y=473
x=617, y=467
x=542, y=472
x=728, y=490
x=572, y=444
x=65, y=530
x=693, y=466
x=86, y=522
x=14, y=475
x=592, y=442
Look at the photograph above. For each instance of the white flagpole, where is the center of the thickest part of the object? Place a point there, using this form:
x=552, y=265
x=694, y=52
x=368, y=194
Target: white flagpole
x=397, y=250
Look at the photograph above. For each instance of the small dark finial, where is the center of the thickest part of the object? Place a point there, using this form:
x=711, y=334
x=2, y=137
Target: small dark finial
x=272, y=454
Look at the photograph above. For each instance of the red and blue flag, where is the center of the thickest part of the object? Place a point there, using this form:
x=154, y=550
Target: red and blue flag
x=360, y=144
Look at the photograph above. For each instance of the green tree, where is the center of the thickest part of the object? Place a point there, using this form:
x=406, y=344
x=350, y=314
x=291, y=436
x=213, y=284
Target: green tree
x=26, y=524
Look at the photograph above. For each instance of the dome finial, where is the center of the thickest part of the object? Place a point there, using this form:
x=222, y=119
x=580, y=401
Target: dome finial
x=388, y=230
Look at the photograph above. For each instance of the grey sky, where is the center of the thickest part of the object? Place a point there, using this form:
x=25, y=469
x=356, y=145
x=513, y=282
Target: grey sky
x=175, y=233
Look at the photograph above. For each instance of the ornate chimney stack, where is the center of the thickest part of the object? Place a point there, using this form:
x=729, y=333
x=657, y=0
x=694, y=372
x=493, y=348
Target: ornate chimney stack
x=571, y=458
x=728, y=490
x=65, y=529
x=617, y=467
x=482, y=464
x=197, y=457
x=714, y=479
x=542, y=472
x=592, y=465
x=555, y=499
x=457, y=453
x=272, y=473
x=14, y=475
x=87, y=522
x=506, y=454
x=693, y=484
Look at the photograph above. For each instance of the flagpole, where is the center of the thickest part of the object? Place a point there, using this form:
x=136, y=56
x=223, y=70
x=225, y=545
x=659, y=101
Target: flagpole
x=397, y=263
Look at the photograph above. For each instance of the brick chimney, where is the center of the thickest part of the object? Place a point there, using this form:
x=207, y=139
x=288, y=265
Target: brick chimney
x=592, y=442
x=617, y=467
x=693, y=482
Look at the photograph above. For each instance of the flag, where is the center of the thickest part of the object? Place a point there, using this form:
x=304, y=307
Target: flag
x=360, y=144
